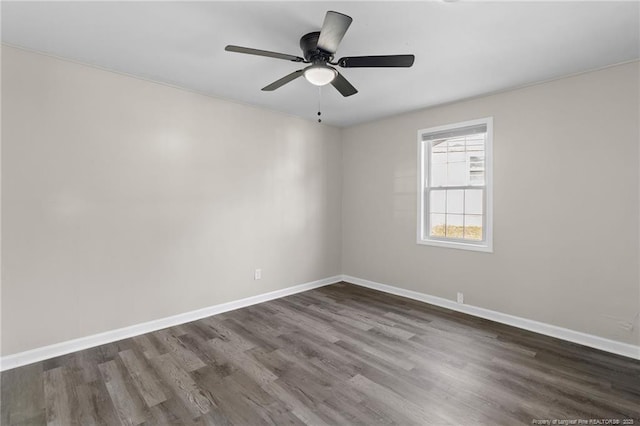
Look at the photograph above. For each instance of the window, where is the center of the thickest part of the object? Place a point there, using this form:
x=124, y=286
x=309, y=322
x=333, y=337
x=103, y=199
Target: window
x=455, y=185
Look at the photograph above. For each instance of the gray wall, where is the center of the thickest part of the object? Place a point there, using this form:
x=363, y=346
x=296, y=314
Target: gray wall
x=566, y=198
x=125, y=201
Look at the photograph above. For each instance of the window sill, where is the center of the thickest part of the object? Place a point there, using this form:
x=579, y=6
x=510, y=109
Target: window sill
x=486, y=248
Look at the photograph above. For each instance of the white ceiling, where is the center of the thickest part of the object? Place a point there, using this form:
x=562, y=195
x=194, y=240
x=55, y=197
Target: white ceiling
x=462, y=49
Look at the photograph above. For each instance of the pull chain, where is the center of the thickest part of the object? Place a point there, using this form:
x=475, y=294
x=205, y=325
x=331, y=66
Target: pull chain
x=319, y=99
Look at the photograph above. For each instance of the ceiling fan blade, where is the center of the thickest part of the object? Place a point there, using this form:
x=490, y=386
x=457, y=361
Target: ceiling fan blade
x=376, y=61
x=250, y=51
x=343, y=85
x=333, y=29
x=284, y=80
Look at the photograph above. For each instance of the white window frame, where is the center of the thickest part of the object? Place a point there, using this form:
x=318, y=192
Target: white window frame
x=423, y=202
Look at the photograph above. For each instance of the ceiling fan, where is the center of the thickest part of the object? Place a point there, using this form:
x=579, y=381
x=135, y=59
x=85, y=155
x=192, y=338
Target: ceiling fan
x=318, y=49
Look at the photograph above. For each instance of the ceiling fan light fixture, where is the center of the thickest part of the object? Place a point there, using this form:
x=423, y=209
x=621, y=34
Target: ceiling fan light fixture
x=320, y=75
x=318, y=49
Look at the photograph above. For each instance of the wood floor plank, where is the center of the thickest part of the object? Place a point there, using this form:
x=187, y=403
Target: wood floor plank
x=395, y=403
x=85, y=414
x=206, y=353
x=356, y=412
x=226, y=335
x=187, y=359
x=96, y=404
x=146, y=346
x=57, y=400
x=143, y=379
x=22, y=399
x=335, y=355
x=297, y=407
x=242, y=361
x=253, y=335
x=258, y=400
x=174, y=412
x=302, y=320
x=130, y=411
x=182, y=384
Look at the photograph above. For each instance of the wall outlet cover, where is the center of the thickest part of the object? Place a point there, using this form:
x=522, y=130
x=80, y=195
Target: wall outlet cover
x=460, y=297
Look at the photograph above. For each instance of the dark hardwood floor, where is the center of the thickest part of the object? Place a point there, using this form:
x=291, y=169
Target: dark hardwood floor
x=337, y=355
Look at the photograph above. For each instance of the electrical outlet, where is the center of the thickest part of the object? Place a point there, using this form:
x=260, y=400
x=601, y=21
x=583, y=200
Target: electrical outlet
x=257, y=274
x=460, y=297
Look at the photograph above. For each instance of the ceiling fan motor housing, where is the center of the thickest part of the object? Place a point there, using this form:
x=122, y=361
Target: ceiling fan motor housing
x=309, y=46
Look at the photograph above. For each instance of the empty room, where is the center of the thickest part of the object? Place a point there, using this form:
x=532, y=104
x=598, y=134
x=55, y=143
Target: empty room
x=320, y=213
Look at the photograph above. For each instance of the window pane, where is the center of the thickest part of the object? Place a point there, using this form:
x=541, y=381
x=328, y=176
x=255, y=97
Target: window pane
x=476, y=168
x=438, y=175
x=457, y=157
x=476, y=142
x=455, y=201
x=476, y=177
x=473, y=201
x=473, y=227
x=438, y=157
x=456, y=144
x=457, y=174
x=437, y=202
x=439, y=146
x=476, y=161
x=436, y=225
x=455, y=226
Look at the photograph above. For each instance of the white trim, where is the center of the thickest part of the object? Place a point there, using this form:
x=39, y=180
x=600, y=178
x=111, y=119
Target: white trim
x=34, y=355
x=39, y=354
x=619, y=348
x=483, y=246
x=455, y=245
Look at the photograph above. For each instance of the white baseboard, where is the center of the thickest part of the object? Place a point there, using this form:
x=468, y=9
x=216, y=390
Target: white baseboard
x=619, y=348
x=39, y=354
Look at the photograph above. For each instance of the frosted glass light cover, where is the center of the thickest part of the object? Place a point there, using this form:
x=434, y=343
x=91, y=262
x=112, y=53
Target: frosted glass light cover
x=319, y=76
